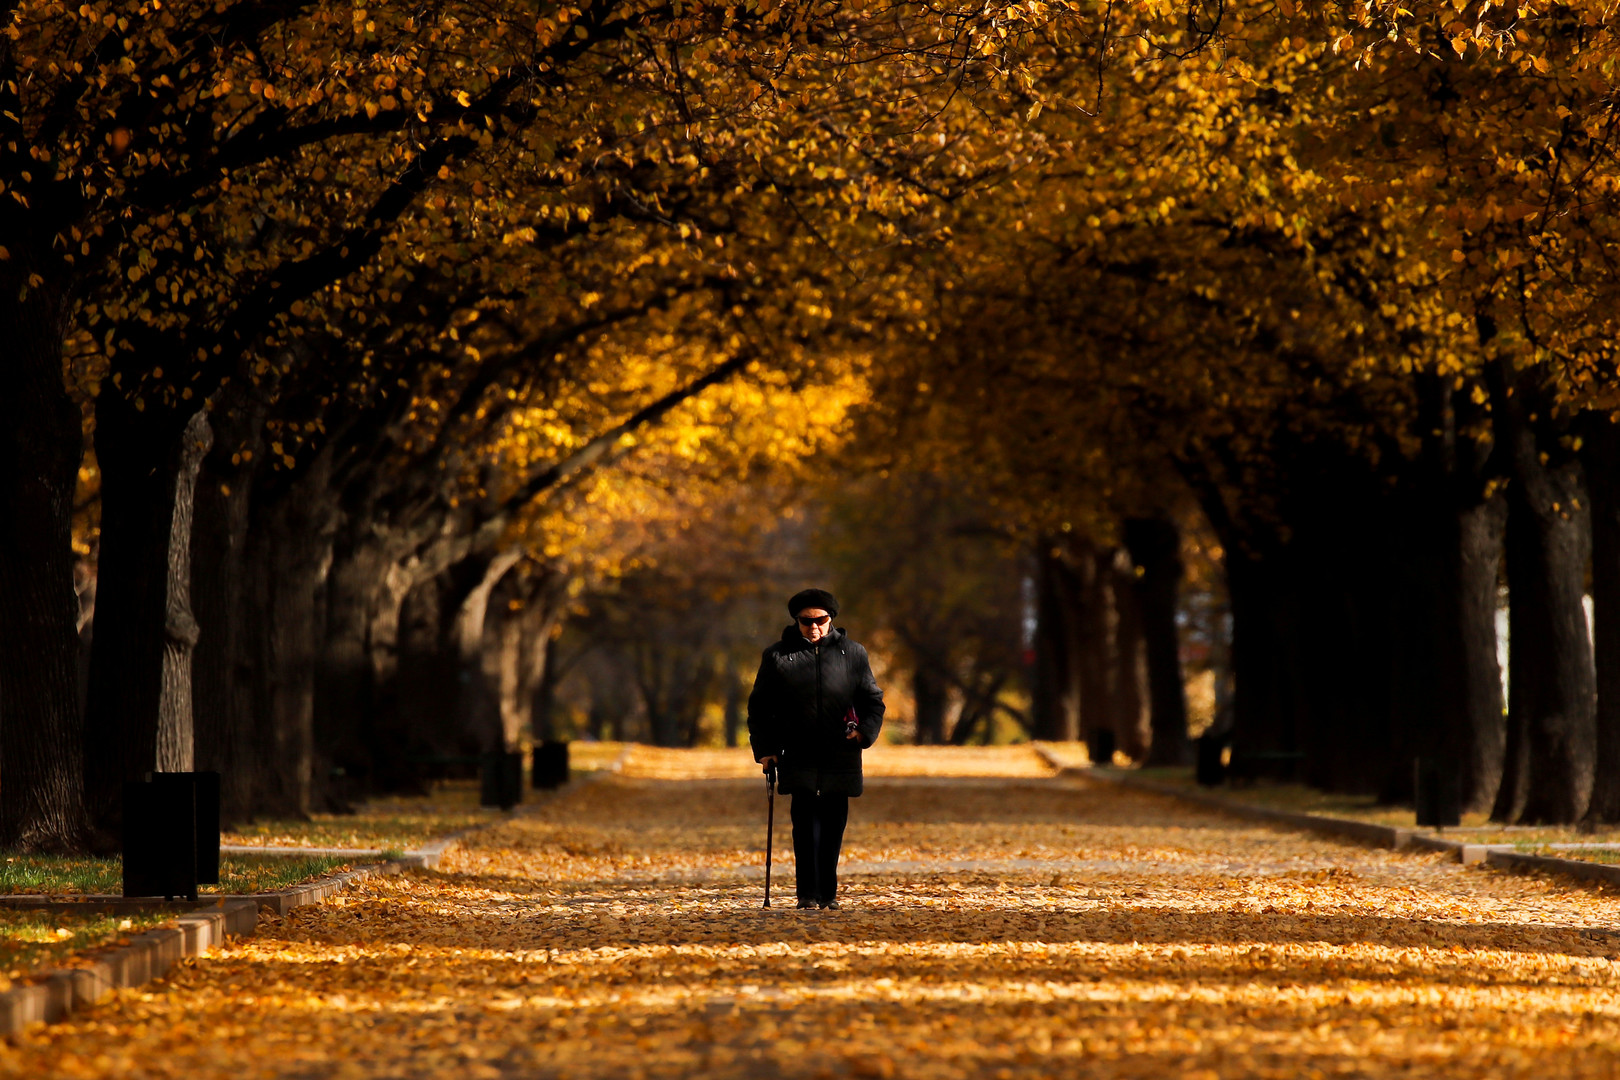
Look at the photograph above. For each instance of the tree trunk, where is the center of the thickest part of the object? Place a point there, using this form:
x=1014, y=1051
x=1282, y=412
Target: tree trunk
x=1459, y=540
x=1155, y=547
x=41, y=444
x=137, y=719
x=1056, y=675
x=1265, y=705
x=224, y=718
x=1601, y=455
x=478, y=705
x=736, y=697
x=1473, y=725
x=290, y=554
x=176, y=734
x=1130, y=671
x=1551, y=682
x=1093, y=640
x=932, y=699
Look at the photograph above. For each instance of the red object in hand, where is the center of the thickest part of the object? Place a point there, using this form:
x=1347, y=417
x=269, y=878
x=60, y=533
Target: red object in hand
x=852, y=724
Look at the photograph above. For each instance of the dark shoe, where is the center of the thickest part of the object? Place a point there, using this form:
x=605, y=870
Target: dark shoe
x=807, y=903
x=831, y=905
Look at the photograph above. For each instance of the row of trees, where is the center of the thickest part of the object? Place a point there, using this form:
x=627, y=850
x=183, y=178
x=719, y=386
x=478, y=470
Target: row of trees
x=309, y=310
x=1349, y=300
x=306, y=307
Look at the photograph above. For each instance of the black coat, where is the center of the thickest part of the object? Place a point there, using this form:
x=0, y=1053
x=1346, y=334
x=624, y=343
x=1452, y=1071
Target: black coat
x=797, y=708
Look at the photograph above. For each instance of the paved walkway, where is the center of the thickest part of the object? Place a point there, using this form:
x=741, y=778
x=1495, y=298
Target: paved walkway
x=1024, y=927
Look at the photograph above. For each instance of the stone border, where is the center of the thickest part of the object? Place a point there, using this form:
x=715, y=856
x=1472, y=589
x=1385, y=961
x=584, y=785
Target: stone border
x=148, y=956
x=1496, y=856
x=1524, y=863
x=204, y=925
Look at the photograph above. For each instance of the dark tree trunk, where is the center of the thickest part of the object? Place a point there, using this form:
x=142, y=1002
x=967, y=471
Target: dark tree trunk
x=1093, y=626
x=1601, y=455
x=41, y=443
x=1155, y=547
x=1473, y=726
x=1266, y=700
x=928, y=689
x=221, y=669
x=1130, y=670
x=1458, y=537
x=345, y=674
x=478, y=706
x=176, y=734
x=1056, y=675
x=446, y=704
x=1551, y=682
x=137, y=720
x=736, y=696
x=289, y=554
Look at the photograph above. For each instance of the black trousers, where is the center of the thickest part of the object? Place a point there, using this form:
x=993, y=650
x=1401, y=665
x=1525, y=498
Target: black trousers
x=818, y=835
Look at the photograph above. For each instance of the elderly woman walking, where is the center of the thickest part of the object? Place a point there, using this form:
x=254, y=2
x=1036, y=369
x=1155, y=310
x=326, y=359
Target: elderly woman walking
x=814, y=708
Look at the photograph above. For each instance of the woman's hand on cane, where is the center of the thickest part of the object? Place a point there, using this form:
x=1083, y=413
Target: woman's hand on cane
x=769, y=761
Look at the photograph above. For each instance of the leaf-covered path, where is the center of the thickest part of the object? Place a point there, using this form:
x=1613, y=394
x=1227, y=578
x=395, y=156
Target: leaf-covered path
x=1014, y=926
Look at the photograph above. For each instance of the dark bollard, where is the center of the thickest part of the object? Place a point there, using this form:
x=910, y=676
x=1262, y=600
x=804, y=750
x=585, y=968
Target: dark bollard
x=550, y=764
x=502, y=780
x=1100, y=746
x=171, y=834
x=1211, y=767
x=1437, y=793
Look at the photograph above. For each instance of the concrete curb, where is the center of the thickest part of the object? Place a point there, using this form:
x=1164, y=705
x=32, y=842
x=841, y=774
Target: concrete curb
x=148, y=956
x=204, y=925
x=1495, y=856
x=1523, y=863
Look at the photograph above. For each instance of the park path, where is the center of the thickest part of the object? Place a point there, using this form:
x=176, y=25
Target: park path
x=1022, y=925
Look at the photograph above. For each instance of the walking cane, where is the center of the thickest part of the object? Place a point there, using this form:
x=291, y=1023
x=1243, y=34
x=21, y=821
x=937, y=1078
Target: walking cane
x=770, y=824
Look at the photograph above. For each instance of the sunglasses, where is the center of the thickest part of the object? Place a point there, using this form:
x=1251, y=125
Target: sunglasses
x=820, y=620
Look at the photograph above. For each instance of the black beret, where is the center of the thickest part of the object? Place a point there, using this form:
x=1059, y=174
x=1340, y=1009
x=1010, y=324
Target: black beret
x=809, y=598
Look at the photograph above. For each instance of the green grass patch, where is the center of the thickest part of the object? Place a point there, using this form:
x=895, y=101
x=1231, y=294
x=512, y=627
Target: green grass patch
x=54, y=875
x=35, y=941
x=395, y=824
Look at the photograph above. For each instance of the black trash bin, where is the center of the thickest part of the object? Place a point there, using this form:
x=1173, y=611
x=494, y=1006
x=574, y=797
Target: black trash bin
x=171, y=834
x=1100, y=746
x=1211, y=760
x=550, y=764
x=1437, y=793
x=502, y=779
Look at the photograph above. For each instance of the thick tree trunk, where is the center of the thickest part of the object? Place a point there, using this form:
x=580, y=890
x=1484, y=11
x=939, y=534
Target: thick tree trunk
x=1093, y=626
x=346, y=688
x=1601, y=456
x=1458, y=542
x=478, y=706
x=1130, y=668
x=736, y=698
x=41, y=443
x=1474, y=726
x=176, y=734
x=929, y=691
x=1551, y=682
x=221, y=667
x=289, y=555
x=137, y=719
x=1056, y=675
x=1155, y=547
x=1266, y=701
